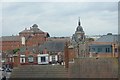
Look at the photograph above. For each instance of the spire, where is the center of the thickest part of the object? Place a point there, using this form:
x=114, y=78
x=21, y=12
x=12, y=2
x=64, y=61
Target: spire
x=79, y=22
x=79, y=27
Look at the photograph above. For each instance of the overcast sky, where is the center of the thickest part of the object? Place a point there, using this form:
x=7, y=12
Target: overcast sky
x=60, y=18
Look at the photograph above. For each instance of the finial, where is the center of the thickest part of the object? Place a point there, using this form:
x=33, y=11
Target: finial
x=35, y=25
x=79, y=22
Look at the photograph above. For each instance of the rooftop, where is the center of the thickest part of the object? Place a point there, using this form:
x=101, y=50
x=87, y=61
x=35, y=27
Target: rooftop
x=33, y=29
x=52, y=46
x=10, y=38
x=108, y=38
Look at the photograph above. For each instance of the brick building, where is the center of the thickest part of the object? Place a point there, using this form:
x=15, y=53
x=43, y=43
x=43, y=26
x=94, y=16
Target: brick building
x=28, y=37
x=105, y=46
x=34, y=36
x=49, y=52
x=9, y=43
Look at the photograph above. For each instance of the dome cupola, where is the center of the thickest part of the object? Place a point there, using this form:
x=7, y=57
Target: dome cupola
x=79, y=28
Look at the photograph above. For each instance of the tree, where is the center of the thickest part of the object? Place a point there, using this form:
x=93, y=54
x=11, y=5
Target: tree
x=90, y=39
x=16, y=50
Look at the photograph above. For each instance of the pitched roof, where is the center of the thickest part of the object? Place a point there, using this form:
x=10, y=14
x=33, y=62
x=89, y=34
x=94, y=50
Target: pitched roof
x=33, y=29
x=10, y=38
x=108, y=38
x=32, y=49
x=53, y=46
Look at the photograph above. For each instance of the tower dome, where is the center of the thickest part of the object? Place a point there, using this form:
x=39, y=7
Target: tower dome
x=79, y=27
x=79, y=33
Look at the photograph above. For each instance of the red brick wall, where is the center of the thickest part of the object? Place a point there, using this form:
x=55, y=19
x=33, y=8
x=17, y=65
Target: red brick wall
x=34, y=40
x=10, y=45
x=71, y=54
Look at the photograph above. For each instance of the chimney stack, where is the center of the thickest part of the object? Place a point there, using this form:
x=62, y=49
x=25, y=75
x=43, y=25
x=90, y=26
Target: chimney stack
x=66, y=55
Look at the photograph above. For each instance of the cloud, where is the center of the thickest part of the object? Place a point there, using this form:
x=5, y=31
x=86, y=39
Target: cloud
x=60, y=19
x=0, y=19
x=59, y=0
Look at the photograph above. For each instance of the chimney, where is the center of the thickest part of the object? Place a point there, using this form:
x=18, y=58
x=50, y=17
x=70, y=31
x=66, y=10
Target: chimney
x=45, y=51
x=66, y=55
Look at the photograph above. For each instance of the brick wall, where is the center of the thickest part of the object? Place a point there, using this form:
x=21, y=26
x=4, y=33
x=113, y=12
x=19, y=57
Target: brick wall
x=94, y=68
x=10, y=45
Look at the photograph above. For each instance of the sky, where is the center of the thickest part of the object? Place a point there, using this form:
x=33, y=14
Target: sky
x=59, y=18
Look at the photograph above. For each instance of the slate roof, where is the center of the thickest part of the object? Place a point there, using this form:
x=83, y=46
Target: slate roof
x=33, y=29
x=10, y=38
x=30, y=49
x=108, y=38
x=53, y=46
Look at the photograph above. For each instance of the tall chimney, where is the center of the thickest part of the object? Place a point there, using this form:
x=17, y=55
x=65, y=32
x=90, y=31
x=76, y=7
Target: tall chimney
x=66, y=55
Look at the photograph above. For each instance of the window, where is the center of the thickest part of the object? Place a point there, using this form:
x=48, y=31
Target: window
x=93, y=49
x=22, y=60
x=30, y=59
x=107, y=49
x=99, y=49
x=10, y=59
x=43, y=59
x=53, y=58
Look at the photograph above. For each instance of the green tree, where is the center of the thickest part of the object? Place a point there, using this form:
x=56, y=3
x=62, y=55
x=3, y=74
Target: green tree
x=16, y=50
x=90, y=39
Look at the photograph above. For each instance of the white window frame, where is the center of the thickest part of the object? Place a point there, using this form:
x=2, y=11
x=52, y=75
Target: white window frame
x=22, y=58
